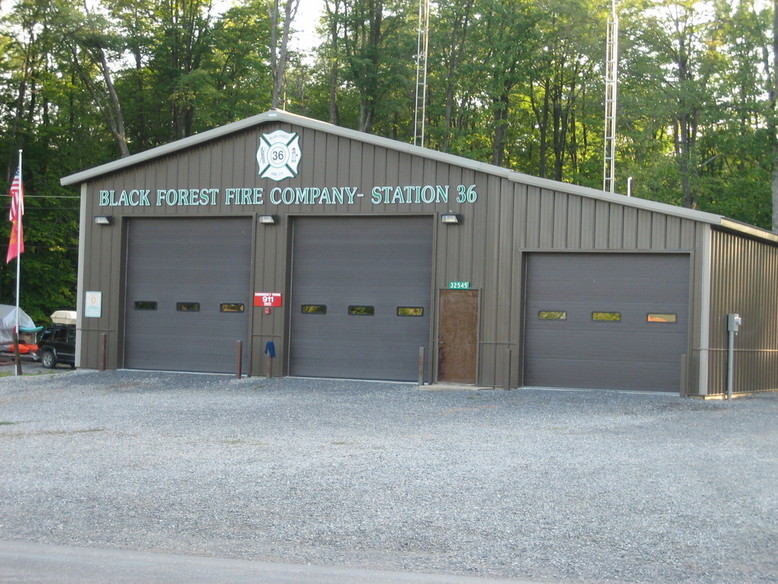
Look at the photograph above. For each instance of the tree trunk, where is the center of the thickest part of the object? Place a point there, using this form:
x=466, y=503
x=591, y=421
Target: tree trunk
x=500, y=115
x=455, y=57
x=279, y=51
x=112, y=113
x=334, y=61
x=541, y=118
x=116, y=119
x=772, y=116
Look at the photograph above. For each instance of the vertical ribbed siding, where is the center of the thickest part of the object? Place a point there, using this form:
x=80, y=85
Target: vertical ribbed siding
x=518, y=218
x=744, y=280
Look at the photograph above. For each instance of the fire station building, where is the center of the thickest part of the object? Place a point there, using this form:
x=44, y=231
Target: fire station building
x=287, y=246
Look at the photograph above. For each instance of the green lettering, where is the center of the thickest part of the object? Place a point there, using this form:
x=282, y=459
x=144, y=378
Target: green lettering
x=302, y=196
x=336, y=195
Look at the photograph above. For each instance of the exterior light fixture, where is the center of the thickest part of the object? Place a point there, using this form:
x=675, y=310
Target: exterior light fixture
x=104, y=220
x=268, y=219
x=451, y=218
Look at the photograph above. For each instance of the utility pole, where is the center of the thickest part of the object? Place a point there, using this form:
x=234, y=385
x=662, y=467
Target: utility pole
x=422, y=46
x=611, y=90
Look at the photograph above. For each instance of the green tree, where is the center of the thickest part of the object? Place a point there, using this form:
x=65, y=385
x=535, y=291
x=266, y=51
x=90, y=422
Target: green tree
x=371, y=44
x=40, y=119
x=184, y=43
x=676, y=51
x=508, y=41
x=565, y=69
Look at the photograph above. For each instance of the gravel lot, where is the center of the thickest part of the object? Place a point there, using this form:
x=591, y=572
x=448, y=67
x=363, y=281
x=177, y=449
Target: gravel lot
x=573, y=486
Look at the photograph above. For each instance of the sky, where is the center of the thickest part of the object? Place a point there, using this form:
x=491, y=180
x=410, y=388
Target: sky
x=308, y=16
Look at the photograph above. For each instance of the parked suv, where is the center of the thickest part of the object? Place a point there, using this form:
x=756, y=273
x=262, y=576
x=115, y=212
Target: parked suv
x=57, y=344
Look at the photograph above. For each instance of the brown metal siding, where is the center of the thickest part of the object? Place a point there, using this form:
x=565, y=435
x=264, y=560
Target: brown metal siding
x=510, y=217
x=744, y=280
x=485, y=250
x=526, y=218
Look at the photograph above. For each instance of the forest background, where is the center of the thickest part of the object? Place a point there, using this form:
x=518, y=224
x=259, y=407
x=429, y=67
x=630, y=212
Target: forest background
x=516, y=83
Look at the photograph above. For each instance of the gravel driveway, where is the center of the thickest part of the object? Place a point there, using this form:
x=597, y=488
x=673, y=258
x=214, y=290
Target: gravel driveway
x=573, y=486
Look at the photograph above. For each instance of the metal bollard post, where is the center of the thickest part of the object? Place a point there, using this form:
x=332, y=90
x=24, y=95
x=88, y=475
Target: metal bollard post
x=238, y=359
x=510, y=359
x=17, y=357
x=103, y=354
x=421, y=366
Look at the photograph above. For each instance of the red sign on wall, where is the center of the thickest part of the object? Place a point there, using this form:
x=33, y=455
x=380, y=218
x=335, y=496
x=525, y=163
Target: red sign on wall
x=268, y=299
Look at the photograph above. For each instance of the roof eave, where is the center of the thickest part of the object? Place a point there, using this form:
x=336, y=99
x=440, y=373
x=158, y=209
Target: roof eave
x=172, y=147
x=746, y=229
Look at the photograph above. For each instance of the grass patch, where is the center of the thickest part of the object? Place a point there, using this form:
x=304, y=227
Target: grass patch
x=53, y=433
x=241, y=442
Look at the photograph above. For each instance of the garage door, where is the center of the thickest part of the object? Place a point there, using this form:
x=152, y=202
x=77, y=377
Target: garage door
x=606, y=320
x=360, y=296
x=188, y=290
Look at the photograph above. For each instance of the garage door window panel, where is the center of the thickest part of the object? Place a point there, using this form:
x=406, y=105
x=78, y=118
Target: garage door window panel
x=552, y=315
x=662, y=318
x=606, y=316
x=412, y=311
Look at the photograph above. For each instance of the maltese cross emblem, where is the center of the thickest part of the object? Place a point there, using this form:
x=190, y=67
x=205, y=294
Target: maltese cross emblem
x=279, y=155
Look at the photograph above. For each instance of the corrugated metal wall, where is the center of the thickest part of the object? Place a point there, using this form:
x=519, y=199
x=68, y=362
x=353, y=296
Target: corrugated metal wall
x=508, y=219
x=522, y=218
x=744, y=280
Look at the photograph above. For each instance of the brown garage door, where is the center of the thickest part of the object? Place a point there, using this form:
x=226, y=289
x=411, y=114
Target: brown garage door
x=610, y=321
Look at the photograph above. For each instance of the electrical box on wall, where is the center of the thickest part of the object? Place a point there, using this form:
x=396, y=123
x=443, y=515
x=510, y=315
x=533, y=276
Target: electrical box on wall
x=733, y=323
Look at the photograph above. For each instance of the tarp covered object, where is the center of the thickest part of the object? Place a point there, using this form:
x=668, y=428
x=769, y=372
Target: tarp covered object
x=63, y=317
x=8, y=322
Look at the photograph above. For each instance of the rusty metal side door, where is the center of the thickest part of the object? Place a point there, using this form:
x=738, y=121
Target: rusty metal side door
x=458, y=336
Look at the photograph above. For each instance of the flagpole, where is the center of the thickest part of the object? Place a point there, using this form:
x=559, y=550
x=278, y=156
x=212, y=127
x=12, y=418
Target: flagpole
x=20, y=203
x=18, y=249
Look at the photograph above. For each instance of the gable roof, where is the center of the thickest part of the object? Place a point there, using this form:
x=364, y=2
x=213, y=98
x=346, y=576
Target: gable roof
x=282, y=116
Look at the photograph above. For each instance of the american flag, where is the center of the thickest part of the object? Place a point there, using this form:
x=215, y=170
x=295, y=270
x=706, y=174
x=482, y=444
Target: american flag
x=16, y=244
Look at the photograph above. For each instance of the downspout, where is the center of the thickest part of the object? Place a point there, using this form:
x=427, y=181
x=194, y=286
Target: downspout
x=705, y=301
x=84, y=225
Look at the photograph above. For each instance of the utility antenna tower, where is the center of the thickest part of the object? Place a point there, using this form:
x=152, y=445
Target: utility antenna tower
x=611, y=90
x=421, y=73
